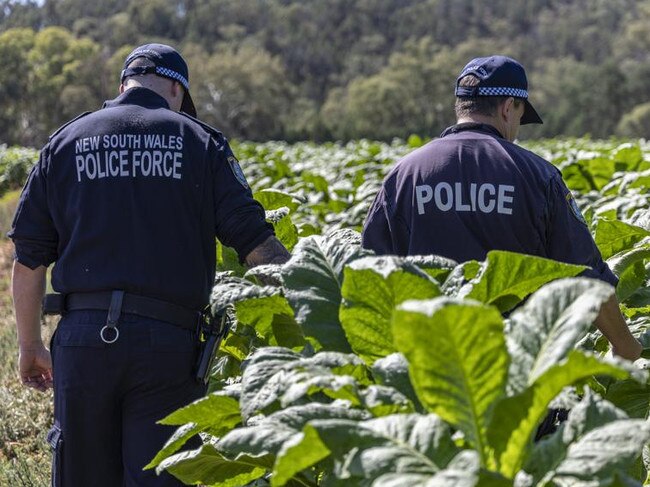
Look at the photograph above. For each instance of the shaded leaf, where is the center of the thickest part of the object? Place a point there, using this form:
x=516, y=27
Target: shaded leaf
x=613, y=236
x=458, y=361
x=506, y=278
x=516, y=418
x=549, y=326
x=372, y=287
x=313, y=279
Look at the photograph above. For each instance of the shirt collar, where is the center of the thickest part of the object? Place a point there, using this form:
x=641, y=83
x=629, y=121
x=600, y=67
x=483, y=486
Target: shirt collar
x=138, y=96
x=474, y=126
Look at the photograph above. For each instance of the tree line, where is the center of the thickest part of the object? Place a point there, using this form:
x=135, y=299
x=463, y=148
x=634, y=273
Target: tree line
x=330, y=69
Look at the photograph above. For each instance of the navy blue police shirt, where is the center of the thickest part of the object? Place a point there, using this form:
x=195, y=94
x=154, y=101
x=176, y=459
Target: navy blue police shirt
x=472, y=191
x=131, y=197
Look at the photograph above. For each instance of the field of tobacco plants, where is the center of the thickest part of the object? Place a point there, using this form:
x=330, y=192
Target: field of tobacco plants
x=348, y=369
x=359, y=370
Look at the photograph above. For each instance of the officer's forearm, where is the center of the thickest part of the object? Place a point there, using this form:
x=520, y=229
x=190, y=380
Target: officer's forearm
x=612, y=324
x=271, y=251
x=28, y=288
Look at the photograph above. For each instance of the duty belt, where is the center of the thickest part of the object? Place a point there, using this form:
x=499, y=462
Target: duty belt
x=59, y=304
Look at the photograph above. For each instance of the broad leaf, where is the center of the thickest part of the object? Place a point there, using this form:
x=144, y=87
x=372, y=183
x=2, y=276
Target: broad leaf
x=272, y=317
x=285, y=231
x=516, y=418
x=276, y=377
x=216, y=414
x=434, y=266
x=613, y=236
x=630, y=269
x=393, y=371
x=313, y=279
x=230, y=290
x=458, y=361
x=260, y=443
x=604, y=452
x=463, y=471
x=368, y=449
x=506, y=278
x=207, y=466
x=590, y=413
x=550, y=325
x=175, y=442
x=257, y=393
x=589, y=174
x=272, y=199
x=630, y=396
x=372, y=287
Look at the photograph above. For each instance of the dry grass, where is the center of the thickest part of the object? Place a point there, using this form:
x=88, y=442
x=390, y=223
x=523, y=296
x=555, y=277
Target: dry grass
x=25, y=415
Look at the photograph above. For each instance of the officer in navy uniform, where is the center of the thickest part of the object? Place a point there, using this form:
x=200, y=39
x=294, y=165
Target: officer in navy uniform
x=126, y=202
x=473, y=190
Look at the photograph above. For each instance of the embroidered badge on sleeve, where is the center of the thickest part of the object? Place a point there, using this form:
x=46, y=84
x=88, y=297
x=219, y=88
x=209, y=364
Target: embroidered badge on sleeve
x=574, y=208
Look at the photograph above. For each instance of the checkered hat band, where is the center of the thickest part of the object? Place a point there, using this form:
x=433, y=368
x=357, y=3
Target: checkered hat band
x=169, y=73
x=491, y=91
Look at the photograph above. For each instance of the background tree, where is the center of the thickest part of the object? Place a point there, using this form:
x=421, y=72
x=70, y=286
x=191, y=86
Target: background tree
x=294, y=70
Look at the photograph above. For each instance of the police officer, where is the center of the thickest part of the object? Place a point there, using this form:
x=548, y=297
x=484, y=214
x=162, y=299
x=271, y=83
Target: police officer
x=473, y=190
x=126, y=202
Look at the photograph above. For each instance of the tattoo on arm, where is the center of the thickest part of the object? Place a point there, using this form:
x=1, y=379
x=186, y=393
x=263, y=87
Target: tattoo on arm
x=271, y=251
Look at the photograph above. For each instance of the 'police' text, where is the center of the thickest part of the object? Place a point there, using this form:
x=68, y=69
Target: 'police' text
x=129, y=155
x=484, y=198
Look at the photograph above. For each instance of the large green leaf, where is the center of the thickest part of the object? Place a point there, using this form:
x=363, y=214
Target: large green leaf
x=369, y=449
x=613, y=236
x=550, y=325
x=630, y=396
x=276, y=377
x=516, y=418
x=590, y=413
x=458, y=361
x=272, y=317
x=393, y=371
x=463, y=471
x=230, y=290
x=604, y=452
x=174, y=443
x=216, y=414
x=257, y=393
x=284, y=228
x=589, y=174
x=272, y=199
x=506, y=278
x=313, y=279
x=630, y=268
x=260, y=443
x=434, y=266
x=207, y=466
x=372, y=287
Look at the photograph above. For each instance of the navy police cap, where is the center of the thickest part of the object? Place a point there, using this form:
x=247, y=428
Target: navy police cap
x=499, y=76
x=167, y=63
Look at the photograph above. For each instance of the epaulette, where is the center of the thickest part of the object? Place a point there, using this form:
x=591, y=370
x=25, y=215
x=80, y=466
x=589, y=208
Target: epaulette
x=208, y=128
x=56, y=132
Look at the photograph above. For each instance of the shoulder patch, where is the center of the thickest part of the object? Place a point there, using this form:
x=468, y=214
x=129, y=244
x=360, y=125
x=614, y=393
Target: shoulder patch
x=56, y=132
x=237, y=170
x=573, y=206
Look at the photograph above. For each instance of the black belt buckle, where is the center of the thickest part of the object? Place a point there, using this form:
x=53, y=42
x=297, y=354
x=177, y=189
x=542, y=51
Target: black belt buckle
x=213, y=329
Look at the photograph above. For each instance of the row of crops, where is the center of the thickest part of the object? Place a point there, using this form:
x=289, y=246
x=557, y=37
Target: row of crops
x=346, y=368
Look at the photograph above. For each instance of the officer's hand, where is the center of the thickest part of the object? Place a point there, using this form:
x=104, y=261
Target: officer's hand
x=35, y=367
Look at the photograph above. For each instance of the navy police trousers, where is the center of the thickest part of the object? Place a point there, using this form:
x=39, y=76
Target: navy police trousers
x=108, y=398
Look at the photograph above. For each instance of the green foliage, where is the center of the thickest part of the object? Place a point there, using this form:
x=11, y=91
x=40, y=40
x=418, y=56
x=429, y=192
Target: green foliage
x=329, y=70
x=345, y=368
x=15, y=164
